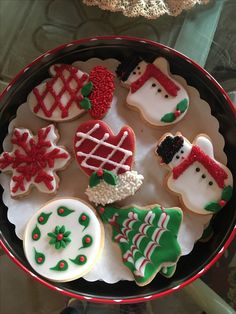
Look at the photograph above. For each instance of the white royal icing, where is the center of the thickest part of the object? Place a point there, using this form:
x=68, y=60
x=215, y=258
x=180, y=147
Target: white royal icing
x=152, y=104
x=73, y=249
x=127, y=184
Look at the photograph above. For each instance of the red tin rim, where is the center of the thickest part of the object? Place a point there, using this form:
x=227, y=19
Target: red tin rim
x=152, y=296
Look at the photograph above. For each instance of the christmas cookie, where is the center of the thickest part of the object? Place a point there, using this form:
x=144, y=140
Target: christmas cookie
x=147, y=238
x=34, y=161
x=63, y=240
x=107, y=159
x=159, y=98
x=203, y=183
x=71, y=92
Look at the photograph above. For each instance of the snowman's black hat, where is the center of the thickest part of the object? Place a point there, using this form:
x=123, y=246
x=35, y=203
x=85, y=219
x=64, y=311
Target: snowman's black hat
x=126, y=67
x=169, y=147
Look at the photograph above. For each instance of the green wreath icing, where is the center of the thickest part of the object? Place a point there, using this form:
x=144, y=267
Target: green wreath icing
x=170, y=116
x=108, y=176
x=226, y=195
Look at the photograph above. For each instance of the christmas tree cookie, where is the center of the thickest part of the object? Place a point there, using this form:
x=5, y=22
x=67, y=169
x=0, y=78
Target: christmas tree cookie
x=72, y=92
x=203, y=183
x=63, y=240
x=147, y=238
x=34, y=161
x=107, y=159
x=159, y=98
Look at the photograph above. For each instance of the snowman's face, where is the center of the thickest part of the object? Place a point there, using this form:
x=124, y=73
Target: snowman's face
x=180, y=156
x=136, y=73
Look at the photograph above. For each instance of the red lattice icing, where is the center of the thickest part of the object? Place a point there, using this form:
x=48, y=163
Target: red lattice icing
x=70, y=81
x=102, y=93
x=97, y=147
x=33, y=160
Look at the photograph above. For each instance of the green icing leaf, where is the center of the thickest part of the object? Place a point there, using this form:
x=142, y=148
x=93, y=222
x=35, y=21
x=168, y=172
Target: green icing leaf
x=86, y=241
x=109, y=177
x=84, y=220
x=85, y=103
x=43, y=218
x=62, y=265
x=52, y=241
x=212, y=207
x=39, y=257
x=79, y=260
x=36, y=234
x=58, y=245
x=62, y=229
x=169, y=117
x=182, y=105
x=86, y=89
x=94, y=180
x=227, y=193
x=64, y=211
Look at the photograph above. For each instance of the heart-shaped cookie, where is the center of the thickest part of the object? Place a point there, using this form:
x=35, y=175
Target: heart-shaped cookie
x=97, y=147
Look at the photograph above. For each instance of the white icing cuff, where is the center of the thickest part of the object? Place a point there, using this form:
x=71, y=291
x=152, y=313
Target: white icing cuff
x=127, y=184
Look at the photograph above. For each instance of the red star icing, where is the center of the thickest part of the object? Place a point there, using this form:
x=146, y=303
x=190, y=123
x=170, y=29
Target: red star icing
x=34, y=160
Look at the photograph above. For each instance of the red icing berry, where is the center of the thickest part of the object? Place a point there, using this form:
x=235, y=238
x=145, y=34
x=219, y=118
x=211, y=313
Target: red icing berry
x=41, y=219
x=61, y=210
x=177, y=113
x=35, y=236
x=59, y=236
x=87, y=240
x=83, y=217
x=61, y=265
x=82, y=259
x=40, y=259
x=101, y=210
x=222, y=203
x=99, y=173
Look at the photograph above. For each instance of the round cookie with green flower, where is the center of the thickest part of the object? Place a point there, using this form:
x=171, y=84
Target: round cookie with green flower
x=64, y=239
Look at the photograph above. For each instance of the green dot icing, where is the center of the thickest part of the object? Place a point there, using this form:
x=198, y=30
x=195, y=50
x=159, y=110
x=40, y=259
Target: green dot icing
x=147, y=237
x=79, y=260
x=43, y=218
x=64, y=211
x=60, y=237
x=39, y=257
x=84, y=220
x=36, y=234
x=86, y=89
x=62, y=265
x=87, y=241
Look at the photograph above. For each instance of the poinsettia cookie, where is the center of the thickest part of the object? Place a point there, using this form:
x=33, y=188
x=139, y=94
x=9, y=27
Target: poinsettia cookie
x=72, y=92
x=34, y=161
x=107, y=159
x=64, y=239
x=203, y=183
x=159, y=98
x=147, y=237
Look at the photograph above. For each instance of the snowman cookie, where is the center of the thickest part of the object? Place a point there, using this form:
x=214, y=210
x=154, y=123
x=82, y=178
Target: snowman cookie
x=107, y=159
x=34, y=161
x=64, y=239
x=147, y=237
x=72, y=92
x=159, y=98
x=204, y=184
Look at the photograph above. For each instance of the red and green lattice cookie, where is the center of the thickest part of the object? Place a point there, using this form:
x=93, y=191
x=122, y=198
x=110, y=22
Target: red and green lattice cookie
x=34, y=161
x=147, y=238
x=72, y=92
x=107, y=158
x=64, y=239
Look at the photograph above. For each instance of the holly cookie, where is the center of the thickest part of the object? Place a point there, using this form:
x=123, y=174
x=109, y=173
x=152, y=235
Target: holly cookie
x=63, y=240
x=34, y=161
x=147, y=237
x=203, y=184
x=159, y=98
x=72, y=92
x=107, y=159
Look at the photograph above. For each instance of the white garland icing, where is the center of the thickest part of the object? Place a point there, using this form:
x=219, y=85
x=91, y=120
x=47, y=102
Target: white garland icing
x=127, y=184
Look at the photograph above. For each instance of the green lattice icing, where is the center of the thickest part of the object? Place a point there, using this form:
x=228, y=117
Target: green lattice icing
x=62, y=265
x=39, y=257
x=64, y=211
x=60, y=237
x=147, y=237
x=180, y=108
x=79, y=260
x=43, y=218
x=84, y=220
x=226, y=195
x=87, y=241
x=36, y=234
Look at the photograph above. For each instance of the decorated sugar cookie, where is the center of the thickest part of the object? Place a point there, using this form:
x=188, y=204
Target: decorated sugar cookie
x=159, y=98
x=203, y=183
x=34, y=161
x=71, y=92
x=63, y=240
x=147, y=238
x=107, y=159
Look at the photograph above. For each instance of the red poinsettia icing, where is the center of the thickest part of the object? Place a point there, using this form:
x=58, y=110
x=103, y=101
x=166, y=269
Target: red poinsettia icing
x=61, y=92
x=33, y=160
x=96, y=147
x=102, y=92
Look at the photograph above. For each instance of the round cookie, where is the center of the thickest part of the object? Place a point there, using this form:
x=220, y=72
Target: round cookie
x=64, y=239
